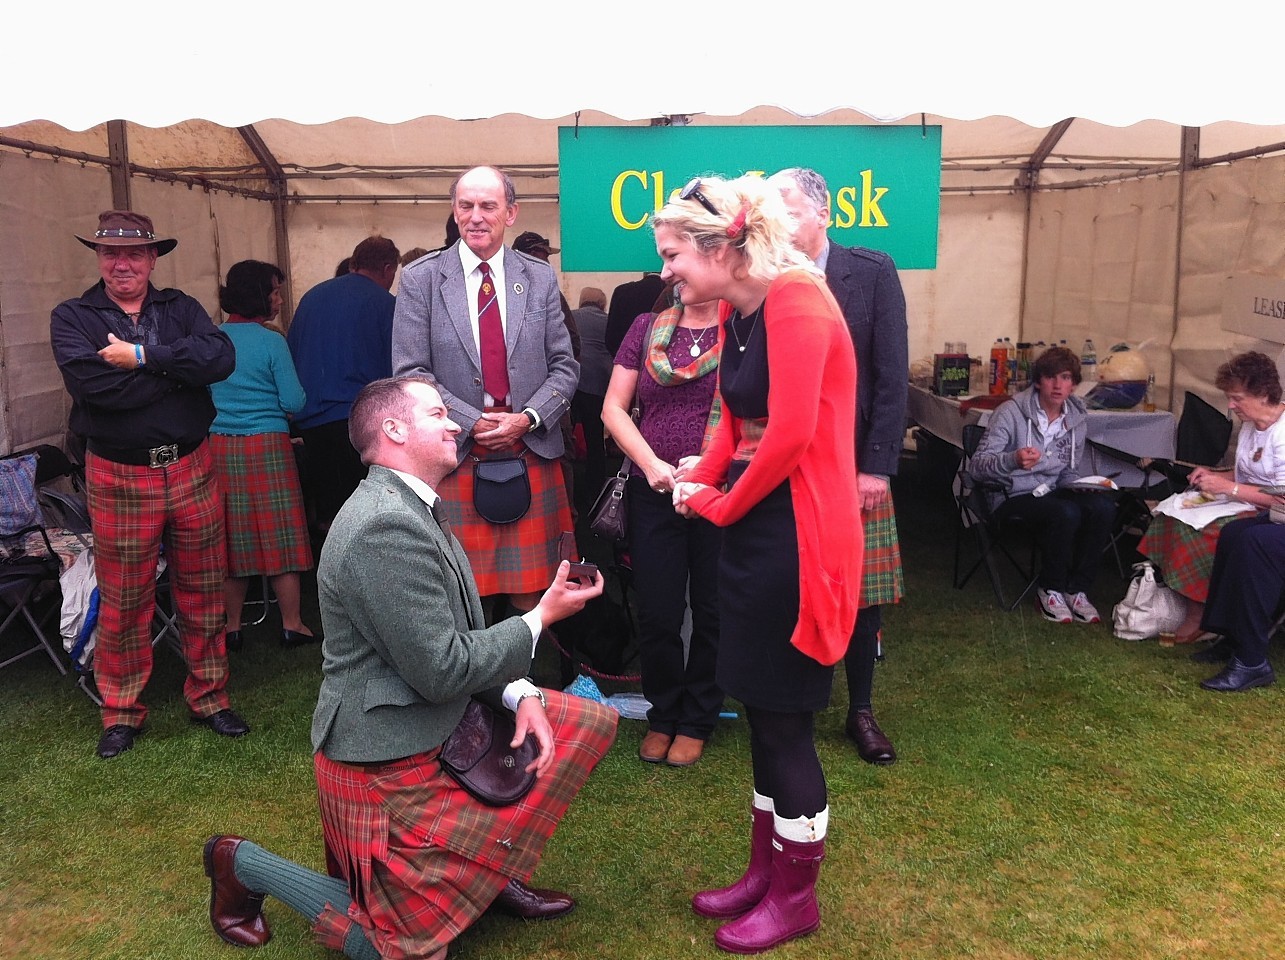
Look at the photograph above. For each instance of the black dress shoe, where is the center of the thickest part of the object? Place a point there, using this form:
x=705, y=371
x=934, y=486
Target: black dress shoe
x=872, y=745
x=236, y=913
x=1220, y=651
x=225, y=723
x=117, y=739
x=519, y=900
x=293, y=638
x=234, y=641
x=1236, y=677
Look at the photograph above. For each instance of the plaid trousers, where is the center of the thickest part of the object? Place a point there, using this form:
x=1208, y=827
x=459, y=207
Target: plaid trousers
x=133, y=511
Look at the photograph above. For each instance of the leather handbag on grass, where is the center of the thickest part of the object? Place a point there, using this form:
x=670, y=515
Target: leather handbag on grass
x=1149, y=608
x=501, y=490
x=478, y=757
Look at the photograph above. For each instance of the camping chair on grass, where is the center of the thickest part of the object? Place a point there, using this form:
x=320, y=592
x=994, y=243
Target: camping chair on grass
x=989, y=536
x=29, y=566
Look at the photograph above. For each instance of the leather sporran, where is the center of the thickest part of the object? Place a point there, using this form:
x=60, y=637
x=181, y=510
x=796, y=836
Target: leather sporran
x=501, y=490
x=478, y=757
x=609, y=515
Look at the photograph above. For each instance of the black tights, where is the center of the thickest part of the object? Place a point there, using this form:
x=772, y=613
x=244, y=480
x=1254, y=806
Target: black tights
x=859, y=662
x=786, y=765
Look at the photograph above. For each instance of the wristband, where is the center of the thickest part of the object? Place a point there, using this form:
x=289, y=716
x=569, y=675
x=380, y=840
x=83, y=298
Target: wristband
x=138, y=354
x=1235, y=489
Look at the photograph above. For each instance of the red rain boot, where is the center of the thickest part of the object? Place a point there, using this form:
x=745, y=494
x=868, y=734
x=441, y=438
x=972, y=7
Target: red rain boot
x=788, y=910
x=728, y=902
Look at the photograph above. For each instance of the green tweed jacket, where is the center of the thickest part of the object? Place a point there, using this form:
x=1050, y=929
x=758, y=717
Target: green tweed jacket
x=400, y=657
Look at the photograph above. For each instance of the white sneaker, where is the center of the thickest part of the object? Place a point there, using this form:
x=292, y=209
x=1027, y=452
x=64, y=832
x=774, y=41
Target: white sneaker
x=1053, y=605
x=1084, y=611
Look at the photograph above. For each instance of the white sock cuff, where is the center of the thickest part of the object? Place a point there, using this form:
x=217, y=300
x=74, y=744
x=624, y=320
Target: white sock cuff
x=763, y=803
x=802, y=829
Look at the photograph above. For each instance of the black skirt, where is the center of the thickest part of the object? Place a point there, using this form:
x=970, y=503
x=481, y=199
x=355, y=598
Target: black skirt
x=758, y=589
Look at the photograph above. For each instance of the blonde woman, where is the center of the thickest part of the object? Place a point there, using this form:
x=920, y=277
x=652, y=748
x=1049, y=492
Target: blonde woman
x=778, y=476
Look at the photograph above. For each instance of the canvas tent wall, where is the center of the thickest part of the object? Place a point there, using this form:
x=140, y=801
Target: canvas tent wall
x=1049, y=227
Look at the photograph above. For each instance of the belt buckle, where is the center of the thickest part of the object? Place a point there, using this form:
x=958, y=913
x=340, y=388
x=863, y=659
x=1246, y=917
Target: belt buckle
x=163, y=456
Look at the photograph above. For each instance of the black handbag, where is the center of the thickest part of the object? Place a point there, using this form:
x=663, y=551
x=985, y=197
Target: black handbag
x=501, y=490
x=478, y=757
x=609, y=515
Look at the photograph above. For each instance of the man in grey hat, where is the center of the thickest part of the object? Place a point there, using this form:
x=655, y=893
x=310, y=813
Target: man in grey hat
x=138, y=363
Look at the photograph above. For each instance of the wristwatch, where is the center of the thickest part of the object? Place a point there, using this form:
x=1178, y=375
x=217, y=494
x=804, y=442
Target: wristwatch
x=534, y=692
x=533, y=422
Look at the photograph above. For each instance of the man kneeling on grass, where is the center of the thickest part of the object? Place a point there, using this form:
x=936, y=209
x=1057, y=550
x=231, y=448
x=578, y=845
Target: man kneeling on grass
x=414, y=858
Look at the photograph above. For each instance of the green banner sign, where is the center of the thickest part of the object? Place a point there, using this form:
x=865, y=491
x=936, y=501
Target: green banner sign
x=885, y=184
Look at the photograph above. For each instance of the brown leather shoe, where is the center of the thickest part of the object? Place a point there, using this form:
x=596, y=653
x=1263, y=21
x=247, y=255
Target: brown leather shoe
x=235, y=912
x=684, y=751
x=655, y=747
x=872, y=745
x=529, y=903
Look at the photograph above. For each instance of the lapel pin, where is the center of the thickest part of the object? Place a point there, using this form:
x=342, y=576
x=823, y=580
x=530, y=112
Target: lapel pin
x=517, y=287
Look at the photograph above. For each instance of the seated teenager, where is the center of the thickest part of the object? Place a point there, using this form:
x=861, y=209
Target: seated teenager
x=1030, y=455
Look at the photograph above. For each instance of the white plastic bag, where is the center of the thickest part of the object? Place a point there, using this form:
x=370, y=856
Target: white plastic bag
x=1149, y=608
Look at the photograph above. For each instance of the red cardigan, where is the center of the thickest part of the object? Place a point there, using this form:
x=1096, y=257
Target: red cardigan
x=809, y=440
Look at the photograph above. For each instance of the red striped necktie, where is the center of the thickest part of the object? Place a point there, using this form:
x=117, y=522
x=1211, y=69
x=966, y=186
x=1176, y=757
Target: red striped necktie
x=490, y=335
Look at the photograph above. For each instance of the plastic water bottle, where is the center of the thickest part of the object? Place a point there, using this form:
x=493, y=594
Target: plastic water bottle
x=999, y=368
x=1088, y=361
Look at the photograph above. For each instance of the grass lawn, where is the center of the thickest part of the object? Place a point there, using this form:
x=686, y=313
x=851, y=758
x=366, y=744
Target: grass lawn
x=1060, y=794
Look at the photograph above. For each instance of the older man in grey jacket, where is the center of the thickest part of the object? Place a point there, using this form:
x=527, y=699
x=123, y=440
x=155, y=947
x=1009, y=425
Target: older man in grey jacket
x=414, y=857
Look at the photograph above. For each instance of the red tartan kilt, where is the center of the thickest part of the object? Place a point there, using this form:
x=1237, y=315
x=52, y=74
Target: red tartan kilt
x=267, y=529
x=1184, y=555
x=519, y=557
x=882, y=580
x=422, y=858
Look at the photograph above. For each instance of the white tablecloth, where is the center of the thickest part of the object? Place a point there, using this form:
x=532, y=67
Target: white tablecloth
x=1139, y=433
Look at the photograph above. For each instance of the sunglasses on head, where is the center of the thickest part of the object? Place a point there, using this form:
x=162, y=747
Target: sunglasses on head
x=693, y=192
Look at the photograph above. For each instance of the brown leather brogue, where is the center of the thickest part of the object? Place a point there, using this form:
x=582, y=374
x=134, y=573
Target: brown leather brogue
x=236, y=914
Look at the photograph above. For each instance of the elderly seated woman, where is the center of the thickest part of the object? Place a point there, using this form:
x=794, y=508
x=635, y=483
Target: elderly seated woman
x=1184, y=554
x=1245, y=592
x=1031, y=455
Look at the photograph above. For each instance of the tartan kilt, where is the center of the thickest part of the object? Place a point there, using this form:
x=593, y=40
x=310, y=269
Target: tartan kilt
x=1184, y=555
x=421, y=857
x=519, y=557
x=882, y=580
x=267, y=530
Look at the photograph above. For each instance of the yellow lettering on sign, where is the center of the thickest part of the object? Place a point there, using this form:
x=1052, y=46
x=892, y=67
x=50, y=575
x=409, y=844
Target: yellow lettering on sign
x=871, y=215
x=617, y=207
x=847, y=215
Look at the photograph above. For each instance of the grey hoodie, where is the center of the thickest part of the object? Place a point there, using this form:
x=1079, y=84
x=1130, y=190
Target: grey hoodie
x=1015, y=425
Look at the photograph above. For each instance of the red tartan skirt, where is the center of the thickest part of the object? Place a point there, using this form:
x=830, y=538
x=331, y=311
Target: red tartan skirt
x=882, y=580
x=1184, y=555
x=519, y=557
x=267, y=529
x=421, y=857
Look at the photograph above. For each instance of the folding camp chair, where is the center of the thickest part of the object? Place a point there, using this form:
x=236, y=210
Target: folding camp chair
x=989, y=536
x=29, y=565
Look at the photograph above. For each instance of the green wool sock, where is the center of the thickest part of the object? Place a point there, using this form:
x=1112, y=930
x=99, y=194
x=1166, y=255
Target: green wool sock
x=302, y=890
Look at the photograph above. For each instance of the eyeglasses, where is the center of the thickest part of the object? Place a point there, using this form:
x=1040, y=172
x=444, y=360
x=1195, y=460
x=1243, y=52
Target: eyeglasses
x=693, y=192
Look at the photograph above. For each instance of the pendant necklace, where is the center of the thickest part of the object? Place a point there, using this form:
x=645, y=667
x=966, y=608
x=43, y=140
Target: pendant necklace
x=695, y=351
x=754, y=319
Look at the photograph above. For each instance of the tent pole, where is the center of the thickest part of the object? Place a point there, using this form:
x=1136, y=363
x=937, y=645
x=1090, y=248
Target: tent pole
x=277, y=186
x=1189, y=157
x=118, y=155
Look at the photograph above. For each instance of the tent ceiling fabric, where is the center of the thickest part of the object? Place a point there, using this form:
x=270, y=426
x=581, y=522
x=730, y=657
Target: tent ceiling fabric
x=237, y=63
